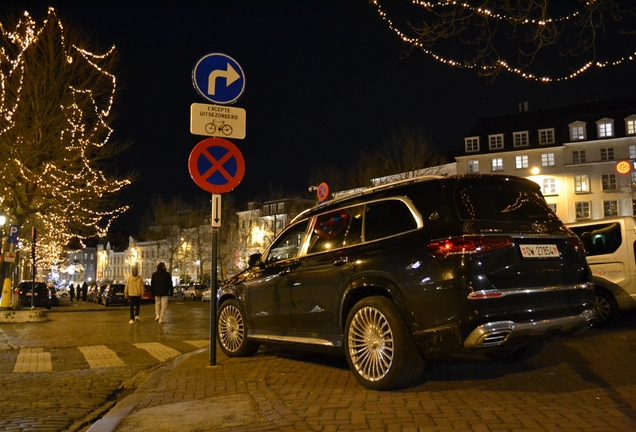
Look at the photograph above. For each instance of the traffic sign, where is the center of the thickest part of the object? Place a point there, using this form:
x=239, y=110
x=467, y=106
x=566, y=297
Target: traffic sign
x=14, y=231
x=216, y=211
x=217, y=120
x=323, y=192
x=218, y=78
x=216, y=165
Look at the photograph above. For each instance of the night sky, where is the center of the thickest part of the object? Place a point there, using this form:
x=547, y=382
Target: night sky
x=324, y=81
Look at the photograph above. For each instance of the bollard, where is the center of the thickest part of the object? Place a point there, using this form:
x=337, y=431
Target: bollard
x=6, y=294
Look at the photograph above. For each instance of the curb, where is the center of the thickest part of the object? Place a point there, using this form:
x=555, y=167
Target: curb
x=10, y=316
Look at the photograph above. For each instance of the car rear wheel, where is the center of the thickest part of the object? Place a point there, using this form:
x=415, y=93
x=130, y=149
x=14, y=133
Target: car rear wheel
x=232, y=331
x=380, y=349
x=605, y=307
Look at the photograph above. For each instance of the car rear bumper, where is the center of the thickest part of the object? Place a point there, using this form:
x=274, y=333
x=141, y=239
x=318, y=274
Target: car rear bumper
x=500, y=332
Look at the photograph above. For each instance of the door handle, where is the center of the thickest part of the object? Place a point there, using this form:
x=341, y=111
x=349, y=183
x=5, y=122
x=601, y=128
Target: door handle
x=341, y=261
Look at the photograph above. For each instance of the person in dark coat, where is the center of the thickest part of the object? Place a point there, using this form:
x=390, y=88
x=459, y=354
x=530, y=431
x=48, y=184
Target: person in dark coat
x=84, y=291
x=71, y=292
x=161, y=288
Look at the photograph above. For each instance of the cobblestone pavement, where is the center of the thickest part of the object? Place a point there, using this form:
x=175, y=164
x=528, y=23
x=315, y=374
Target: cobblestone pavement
x=64, y=373
x=583, y=382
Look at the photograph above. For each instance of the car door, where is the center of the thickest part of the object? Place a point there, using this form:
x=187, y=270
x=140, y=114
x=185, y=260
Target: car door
x=267, y=298
x=322, y=274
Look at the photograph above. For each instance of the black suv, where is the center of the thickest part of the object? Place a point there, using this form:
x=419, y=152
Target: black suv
x=39, y=292
x=412, y=270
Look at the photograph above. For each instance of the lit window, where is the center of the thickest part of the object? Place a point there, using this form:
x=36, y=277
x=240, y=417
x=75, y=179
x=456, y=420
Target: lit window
x=473, y=166
x=472, y=144
x=521, y=162
x=605, y=128
x=520, y=139
x=547, y=159
x=581, y=183
x=607, y=154
x=582, y=210
x=577, y=131
x=630, y=125
x=495, y=142
x=497, y=164
x=609, y=182
x=546, y=136
x=610, y=208
x=549, y=186
x=578, y=156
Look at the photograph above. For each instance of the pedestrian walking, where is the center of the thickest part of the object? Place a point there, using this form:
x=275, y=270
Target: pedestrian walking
x=133, y=292
x=71, y=291
x=84, y=291
x=161, y=288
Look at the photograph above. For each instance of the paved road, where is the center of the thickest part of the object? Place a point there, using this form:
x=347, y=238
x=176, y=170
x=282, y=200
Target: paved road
x=584, y=382
x=63, y=373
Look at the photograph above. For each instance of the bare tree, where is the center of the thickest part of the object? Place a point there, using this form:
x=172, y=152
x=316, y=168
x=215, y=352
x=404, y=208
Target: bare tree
x=404, y=154
x=503, y=35
x=55, y=114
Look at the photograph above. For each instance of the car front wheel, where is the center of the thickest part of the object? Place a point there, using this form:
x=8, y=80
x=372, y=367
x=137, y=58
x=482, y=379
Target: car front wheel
x=380, y=349
x=232, y=331
x=605, y=308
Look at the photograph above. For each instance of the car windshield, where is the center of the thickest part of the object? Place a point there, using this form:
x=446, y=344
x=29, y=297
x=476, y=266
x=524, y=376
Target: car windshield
x=501, y=200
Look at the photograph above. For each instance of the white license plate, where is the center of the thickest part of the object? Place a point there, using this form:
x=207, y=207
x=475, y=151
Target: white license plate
x=539, y=251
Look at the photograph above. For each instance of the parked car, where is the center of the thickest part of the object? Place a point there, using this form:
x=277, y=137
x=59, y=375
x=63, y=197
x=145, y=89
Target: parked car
x=207, y=295
x=62, y=293
x=114, y=295
x=413, y=270
x=610, y=246
x=147, y=296
x=193, y=292
x=39, y=292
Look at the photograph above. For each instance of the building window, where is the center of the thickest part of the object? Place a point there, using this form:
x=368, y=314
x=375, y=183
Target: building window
x=472, y=144
x=473, y=166
x=609, y=182
x=281, y=208
x=607, y=154
x=578, y=156
x=581, y=184
x=605, y=128
x=546, y=136
x=497, y=164
x=495, y=142
x=630, y=125
x=266, y=210
x=632, y=151
x=633, y=177
x=633, y=207
x=521, y=162
x=520, y=139
x=582, y=209
x=552, y=206
x=610, y=208
x=549, y=186
x=547, y=159
x=577, y=131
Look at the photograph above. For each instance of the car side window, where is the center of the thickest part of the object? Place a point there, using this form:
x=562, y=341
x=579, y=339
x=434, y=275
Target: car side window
x=387, y=218
x=336, y=229
x=288, y=244
x=600, y=239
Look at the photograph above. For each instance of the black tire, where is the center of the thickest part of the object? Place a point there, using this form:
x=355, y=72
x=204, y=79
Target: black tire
x=605, y=308
x=518, y=354
x=379, y=347
x=232, y=331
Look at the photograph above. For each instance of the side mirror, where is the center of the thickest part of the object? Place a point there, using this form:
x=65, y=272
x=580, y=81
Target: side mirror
x=254, y=260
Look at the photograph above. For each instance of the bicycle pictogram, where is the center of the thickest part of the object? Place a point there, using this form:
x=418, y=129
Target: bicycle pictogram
x=211, y=128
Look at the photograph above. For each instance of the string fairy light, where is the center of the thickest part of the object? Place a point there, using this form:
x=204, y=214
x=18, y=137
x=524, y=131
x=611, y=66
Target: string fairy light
x=49, y=178
x=500, y=64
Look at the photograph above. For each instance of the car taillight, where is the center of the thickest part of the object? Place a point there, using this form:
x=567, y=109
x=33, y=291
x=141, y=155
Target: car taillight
x=468, y=245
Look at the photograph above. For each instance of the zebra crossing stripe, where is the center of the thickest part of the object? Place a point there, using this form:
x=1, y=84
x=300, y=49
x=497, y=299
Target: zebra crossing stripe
x=33, y=360
x=158, y=351
x=100, y=356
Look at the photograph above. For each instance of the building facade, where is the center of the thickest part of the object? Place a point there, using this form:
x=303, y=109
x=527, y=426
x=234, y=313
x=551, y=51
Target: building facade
x=581, y=155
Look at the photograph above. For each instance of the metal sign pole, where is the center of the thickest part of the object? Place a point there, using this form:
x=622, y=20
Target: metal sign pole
x=214, y=223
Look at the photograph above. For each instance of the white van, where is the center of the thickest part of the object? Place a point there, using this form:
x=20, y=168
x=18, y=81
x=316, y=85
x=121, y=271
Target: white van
x=610, y=246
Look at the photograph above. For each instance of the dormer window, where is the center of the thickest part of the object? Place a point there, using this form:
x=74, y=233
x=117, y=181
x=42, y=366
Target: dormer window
x=472, y=144
x=495, y=142
x=605, y=128
x=630, y=125
x=520, y=139
x=577, y=131
x=546, y=136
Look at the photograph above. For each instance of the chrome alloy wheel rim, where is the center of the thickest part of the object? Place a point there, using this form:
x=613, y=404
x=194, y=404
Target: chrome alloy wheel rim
x=602, y=308
x=231, y=328
x=371, y=346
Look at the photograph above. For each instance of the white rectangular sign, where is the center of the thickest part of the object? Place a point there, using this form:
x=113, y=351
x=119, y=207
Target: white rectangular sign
x=217, y=120
x=216, y=211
